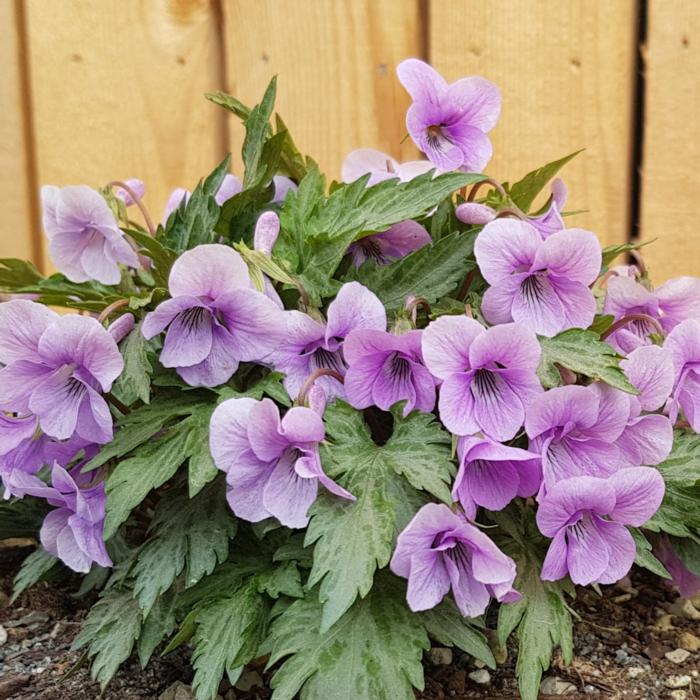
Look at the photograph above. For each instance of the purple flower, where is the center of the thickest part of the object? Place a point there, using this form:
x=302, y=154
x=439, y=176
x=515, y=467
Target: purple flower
x=396, y=242
x=384, y=369
x=310, y=344
x=575, y=430
x=73, y=532
x=440, y=550
x=491, y=475
x=283, y=185
x=488, y=376
x=120, y=328
x=547, y=223
x=380, y=166
x=85, y=242
x=56, y=367
x=687, y=583
x=543, y=283
x=673, y=302
x=214, y=319
x=586, y=517
x=267, y=229
x=449, y=122
x=272, y=466
x=134, y=184
x=683, y=344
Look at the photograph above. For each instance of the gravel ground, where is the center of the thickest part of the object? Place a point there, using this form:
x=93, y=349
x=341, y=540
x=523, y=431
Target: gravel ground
x=639, y=641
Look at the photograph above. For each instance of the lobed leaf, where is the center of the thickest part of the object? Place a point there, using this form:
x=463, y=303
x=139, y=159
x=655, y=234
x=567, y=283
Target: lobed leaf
x=34, y=568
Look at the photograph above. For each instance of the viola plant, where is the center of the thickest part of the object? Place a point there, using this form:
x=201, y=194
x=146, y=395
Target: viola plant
x=316, y=426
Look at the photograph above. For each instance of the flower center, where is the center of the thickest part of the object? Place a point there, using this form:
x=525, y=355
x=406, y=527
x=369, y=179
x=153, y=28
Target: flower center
x=436, y=137
x=399, y=367
x=372, y=250
x=532, y=288
x=193, y=317
x=485, y=384
x=326, y=359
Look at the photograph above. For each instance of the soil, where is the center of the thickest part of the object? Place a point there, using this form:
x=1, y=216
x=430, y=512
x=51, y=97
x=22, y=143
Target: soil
x=620, y=644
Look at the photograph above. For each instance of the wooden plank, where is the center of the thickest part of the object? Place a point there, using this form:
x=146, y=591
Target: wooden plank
x=670, y=186
x=566, y=72
x=117, y=92
x=19, y=235
x=336, y=61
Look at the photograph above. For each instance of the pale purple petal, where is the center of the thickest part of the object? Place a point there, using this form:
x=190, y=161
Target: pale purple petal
x=573, y=254
x=555, y=566
x=574, y=405
x=18, y=381
x=218, y=366
x=511, y=345
x=446, y=342
x=65, y=251
x=650, y=369
x=229, y=187
x=134, y=184
x=283, y=185
x=267, y=228
x=577, y=301
x=175, y=199
x=498, y=410
x=538, y=304
x=428, y=581
x=157, y=321
x=646, y=440
x=288, y=496
x=475, y=147
x=625, y=296
x=301, y=425
x=588, y=556
x=422, y=82
x=56, y=402
x=354, y=306
x=267, y=440
x=679, y=299
x=474, y=213
x=120, y=328
x=209, y=271
x=362, y=161
x=94, y=419
x=96, y=263
x=621, y=548
x=638, y=492
x=505, y=246
x=189, y=338
x=456, y=405
x=21, y=324
x=477, y=99
x=472, y=596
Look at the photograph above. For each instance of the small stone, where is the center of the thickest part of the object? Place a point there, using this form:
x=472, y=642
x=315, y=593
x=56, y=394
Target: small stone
x=230, y=695
x=635, y=671
x=664, y=623
x=33, y=618
x=677, y=656
x=679, y=694
x=685, y=608
x=482, y=676
x=621, y=656
x=4, y=600
x=689, y=642
x=177, y=691
x=248, y=680
x=3, y=635
x=553, y=685
x=590, y=689
x=678, y=681
x=440, y=656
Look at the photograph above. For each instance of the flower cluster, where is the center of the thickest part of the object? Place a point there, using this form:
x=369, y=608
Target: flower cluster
x=243, y=344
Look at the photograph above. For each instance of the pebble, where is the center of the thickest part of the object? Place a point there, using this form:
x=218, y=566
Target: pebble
x=590, y=689
x=439, y=656
x=678, y=681
x=3, y=635
x=32, y=618
x=230, y=694
x=482, y=676
x=664, y=623
x=679, y=694
x=677, y=656
x=177, y=691
x=248, y=680
x=635, y=671
x=621, y=656
x=4, y=600
x=689, y=641
x=553, y=685
x=685, y=608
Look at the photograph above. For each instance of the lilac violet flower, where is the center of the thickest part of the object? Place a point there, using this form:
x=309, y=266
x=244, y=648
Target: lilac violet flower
x=396, y=242
x=491, y=475
x=230, y=186
x=439, y=550
x=85, y=242
x=214, y=320
x=586, y=517
x=543, y=283
x=136, y=186
x=56, y=367
x=384, y=369
x=687, y=582
x=683, y=344
x=73, y=531
x=272, y=465
x=449, y=122
x=488, y=376
x=380, y=166
x=311, y=344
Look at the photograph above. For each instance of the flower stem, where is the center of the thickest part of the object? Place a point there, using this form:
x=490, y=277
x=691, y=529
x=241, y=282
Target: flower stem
x=320, y=372
x=111, y=398
x=625, y=320
x=464, y=287
x=138, y=202
x=488, y=181
x=109, y=310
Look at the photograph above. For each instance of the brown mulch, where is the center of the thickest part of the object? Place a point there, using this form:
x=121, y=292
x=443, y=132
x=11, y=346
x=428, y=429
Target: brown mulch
x=620, y=645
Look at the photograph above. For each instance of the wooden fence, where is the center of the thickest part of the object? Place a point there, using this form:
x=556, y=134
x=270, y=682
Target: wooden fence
x=93, y=90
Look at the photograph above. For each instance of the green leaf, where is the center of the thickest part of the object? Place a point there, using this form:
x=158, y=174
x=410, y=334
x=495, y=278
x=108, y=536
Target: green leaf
x=293, y=162
x=282, y=579
x=688, y=549
x=679, y=513
x=229, y=632
x=523, y=193
x=193, y=222
x=353, y=539
x=159, y=624
x=230, y=103
x=542, y=621
x=645, y=558
x=585, y=353
x=372, y=653
x=134, y=383
x=186, y=535
x=34, y=568
x=155, y=462
x=162, y=257
x=430, y=272
x=109, y=631
x=446, y=625
x=257, y=127
x=21, y=517
x=610, y=252
x=15, y=274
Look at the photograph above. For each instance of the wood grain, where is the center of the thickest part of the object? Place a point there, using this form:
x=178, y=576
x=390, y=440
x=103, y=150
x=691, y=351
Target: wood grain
x=566, y=72
x=117, y=92
x=336, y=60
x=19, y=234
x=670, y=183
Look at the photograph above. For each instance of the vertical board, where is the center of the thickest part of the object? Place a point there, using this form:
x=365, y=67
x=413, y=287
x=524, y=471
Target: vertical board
x=336, y=60
x=19, y=237
x=566, y=72
x=117, y=92
x=670, y=184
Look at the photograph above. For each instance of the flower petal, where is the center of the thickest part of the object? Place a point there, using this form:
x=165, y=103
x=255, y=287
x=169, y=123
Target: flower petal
x=354, y=306
x=622, y=551
x=511, y=345
x=505, y=246
x=22, y=323
x=446, y=342
x=288, y=496
x=422, y=82
x=428, y=582
x=456, y=405
x=554, y=566
x=638, y=492
x=573, y=254
x=477, y=100
x=189, y=338
x=650, y=369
